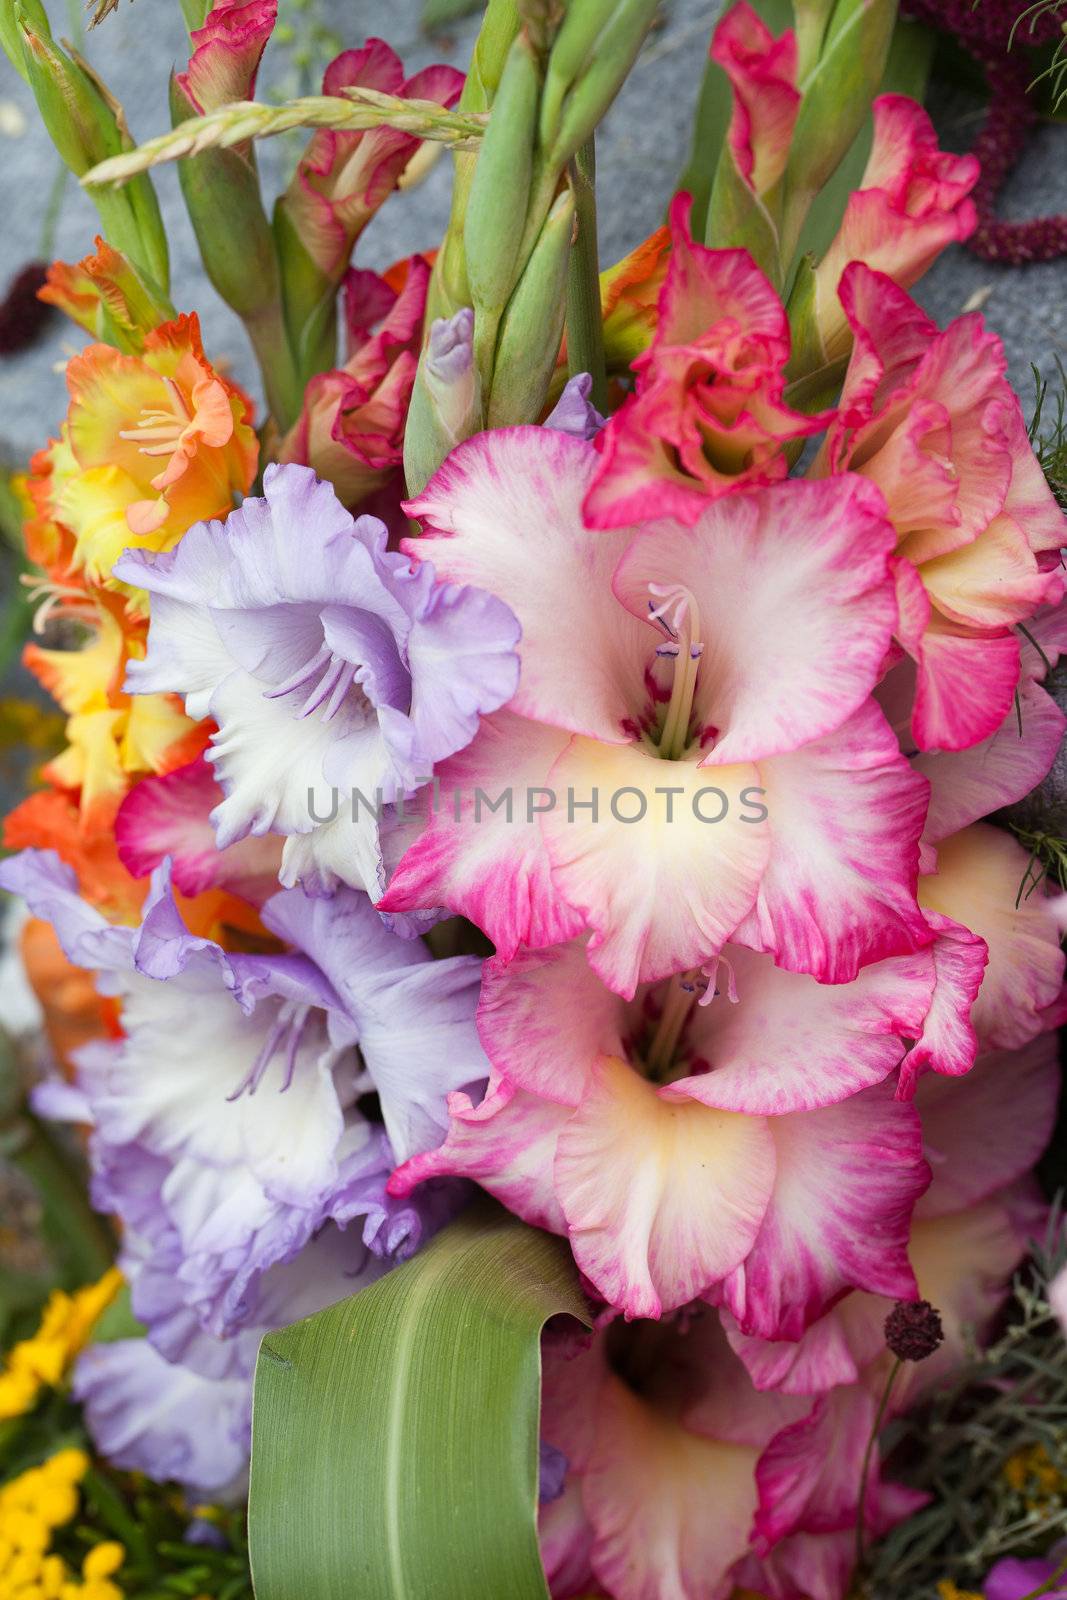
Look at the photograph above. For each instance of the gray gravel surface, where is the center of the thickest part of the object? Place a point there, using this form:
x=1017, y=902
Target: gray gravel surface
x=641, y=150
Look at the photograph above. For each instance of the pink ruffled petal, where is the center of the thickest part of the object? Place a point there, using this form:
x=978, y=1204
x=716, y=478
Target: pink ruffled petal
x=508, y=505
x=506, y=1144
x=966, y=785
x=809, y=1475
x=647, y=1494
x=911, y=202
x=792, y=1044
x=982, y=1132
x=698, y=876
x=171, y=816
x=489, y=865
x=662, y=1197
x=546, y=1017
x=947, y=1041
x=762, y=72
x=965, y=686
x=838, y=892
x=847, y=1180
x=994, y=582
x=981, y=882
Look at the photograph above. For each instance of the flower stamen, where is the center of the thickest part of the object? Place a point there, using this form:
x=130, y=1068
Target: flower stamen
x=678, y=1000
x=679, y=617
x=286, y=1032
x=330, y=677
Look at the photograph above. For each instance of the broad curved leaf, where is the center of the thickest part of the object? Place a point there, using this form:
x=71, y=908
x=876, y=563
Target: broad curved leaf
x=395, y=1435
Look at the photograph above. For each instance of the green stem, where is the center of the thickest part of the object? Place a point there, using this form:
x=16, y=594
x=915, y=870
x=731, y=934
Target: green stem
x=585, y=322
x=281, y=381
x=51, y=213
x=876, y=1428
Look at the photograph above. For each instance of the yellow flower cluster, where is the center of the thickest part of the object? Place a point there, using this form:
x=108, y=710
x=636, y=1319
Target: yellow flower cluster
x=947, y=1590
x=42, y=1361
x=32, y=1507
x=1036, y=1478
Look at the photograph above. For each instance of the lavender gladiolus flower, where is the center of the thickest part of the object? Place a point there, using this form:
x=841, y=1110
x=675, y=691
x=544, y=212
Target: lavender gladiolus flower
x=146, y=1415
x=226, y=1128
x=331, y=665
x=188, y=1417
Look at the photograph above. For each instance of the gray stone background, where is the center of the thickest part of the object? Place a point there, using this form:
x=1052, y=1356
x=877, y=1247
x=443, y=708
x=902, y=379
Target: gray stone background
x=641, y=152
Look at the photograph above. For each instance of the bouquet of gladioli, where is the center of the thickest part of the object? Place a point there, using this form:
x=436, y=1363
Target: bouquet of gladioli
x=566, y=1055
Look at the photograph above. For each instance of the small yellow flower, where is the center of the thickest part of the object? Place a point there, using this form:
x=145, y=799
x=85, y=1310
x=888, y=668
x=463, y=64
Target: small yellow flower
x=947, y=1590
x=42, y=1361
x=57, y=1502
x=71, y=1465
x=24, y=1568
x=103, y=1560
x=89, y=1304
x=54, y=1574
x=18, y=1393
x=27, y=1532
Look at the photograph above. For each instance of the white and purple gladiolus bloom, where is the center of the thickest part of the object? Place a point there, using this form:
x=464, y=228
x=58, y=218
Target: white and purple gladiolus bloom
x=229, y=1123
x=339, y=672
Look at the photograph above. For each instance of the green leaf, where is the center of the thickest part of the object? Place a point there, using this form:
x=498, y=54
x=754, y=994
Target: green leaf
x=395, y=1436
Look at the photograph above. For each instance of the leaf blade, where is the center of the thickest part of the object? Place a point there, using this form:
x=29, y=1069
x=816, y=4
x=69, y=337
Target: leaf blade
x=410, y=1416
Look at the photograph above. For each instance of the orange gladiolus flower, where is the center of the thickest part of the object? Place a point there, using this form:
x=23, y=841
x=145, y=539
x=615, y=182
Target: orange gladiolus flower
x=153, y=442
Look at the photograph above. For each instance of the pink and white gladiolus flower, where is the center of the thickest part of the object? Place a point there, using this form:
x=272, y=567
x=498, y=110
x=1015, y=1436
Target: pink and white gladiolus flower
x=704, y=694
x=931, y=419
x=658, y=1423
x=912, y=201
x=982, y=1135
x=742, y=1146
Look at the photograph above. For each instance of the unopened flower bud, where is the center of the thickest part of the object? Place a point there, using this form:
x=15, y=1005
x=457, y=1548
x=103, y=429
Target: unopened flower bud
x=913, y=1330
x=446, y=403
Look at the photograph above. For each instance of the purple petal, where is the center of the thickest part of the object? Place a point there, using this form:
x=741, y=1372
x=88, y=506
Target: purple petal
x=574, y=412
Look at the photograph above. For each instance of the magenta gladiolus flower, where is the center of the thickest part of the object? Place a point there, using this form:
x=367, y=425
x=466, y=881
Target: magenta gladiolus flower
x=708, y=415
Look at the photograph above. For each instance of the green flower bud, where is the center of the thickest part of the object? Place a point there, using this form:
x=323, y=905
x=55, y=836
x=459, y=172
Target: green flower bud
x=532, y=325
x=500, y=189
x=614, y=53
x=837, y=96
x=571, y=50
x=738, y=219
x=14, y=14
x=87, y=125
